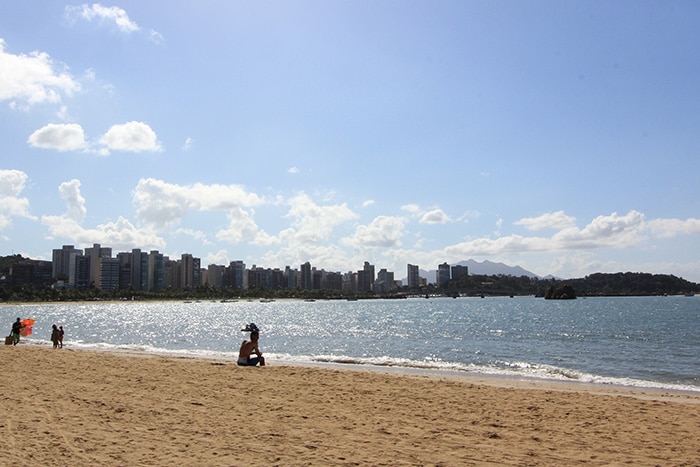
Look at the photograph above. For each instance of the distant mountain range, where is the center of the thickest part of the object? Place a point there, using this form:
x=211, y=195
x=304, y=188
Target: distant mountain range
x=486, y=268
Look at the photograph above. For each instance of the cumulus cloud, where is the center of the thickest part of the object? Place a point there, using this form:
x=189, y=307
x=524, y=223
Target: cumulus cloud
x=131, y=137
x=604, y=231
x=61, y=137
x=314, y=223
x=612, y=231
x=160, y=204
x=241, y=226
x=26, y=80
x=11, y=204
x=221, y=257
x=667, y=228
x=436, y=216
x=382, y=232
x=553, y=220
x=121, y=234
x=293, y=170
x=70, y=192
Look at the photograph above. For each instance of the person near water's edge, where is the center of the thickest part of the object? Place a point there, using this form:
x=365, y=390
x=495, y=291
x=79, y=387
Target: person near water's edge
x=16, y=329
x=250, y=347
x=55, y=336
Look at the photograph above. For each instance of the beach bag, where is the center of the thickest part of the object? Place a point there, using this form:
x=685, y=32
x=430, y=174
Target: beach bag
x=9, y=340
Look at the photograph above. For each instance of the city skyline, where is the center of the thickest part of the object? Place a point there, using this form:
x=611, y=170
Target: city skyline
x=558, y=137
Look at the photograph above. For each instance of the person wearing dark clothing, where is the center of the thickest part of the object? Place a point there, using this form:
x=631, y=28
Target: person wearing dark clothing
x=16, y=329
x=55, y=336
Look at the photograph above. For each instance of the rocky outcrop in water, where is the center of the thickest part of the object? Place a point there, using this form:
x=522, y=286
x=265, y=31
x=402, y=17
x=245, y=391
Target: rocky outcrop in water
x=565, y=292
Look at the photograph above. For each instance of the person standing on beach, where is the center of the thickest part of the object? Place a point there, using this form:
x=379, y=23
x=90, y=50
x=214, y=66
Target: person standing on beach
x=60, y=336
x=250, y=347
x=55, y=334
x=16, y=329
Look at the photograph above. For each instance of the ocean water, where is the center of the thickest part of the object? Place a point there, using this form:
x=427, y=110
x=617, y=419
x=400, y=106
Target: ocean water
x=649, y=342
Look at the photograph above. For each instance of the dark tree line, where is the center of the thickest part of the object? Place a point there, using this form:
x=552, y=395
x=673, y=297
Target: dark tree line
x=599, y=284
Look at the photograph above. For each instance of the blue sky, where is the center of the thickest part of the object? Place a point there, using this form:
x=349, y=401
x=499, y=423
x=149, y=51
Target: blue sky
x=561, y=136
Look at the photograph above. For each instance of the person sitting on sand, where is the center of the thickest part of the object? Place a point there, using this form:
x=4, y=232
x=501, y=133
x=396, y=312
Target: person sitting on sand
x=249, y=347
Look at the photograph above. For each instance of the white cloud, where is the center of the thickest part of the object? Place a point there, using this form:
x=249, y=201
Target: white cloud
x=12, y=182
x=11, y=205
x=310, y=237
x=314, y=223
x=110, y=15
x=102, y=13
x=499, y=225
x=411, y=208
x=262, y=238
x=293, y=170
x=120, y=235
x=132, y=137
x=198, y=235
x=368, y=203
x=667, y=228
x=155, y=36
x=382, y=232
x=436, y=216
x=221, y=257
x=467, y=216
x=26, y=80
x=553, y=220
x=61, y=137
x=160, y=204
x=241, y=227
x=70, y=192
x=604, y=231
x=188, y=144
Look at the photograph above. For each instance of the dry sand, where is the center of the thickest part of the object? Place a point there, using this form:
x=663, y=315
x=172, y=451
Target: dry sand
x=75, y=408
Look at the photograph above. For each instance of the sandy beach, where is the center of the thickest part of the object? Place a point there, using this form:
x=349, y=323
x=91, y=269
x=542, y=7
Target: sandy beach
x=67, y=407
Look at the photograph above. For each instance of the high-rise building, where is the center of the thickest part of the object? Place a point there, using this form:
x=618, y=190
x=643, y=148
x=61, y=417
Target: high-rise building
x=95, y=255
x=385, y=282
x=413, y=281
x=189, y=272
x=109, y=273
x=215, y=276
x=443, y=274
x=156, y=271
x=306, y=277
x=133, y=270
x=63, y=261
x=292, y=276
x=459, y=271
x=236, y=274
x=366, y=277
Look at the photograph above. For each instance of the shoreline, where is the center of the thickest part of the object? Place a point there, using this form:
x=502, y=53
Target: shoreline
x=475, y=377
x=83, y=407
